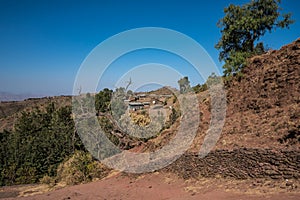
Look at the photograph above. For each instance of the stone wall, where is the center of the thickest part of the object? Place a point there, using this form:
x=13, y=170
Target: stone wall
x=240, y=164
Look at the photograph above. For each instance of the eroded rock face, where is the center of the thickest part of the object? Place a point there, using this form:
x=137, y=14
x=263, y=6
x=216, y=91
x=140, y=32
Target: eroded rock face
x=239, y=164
x=265, y=101
x=263, y=109
x=270, y=80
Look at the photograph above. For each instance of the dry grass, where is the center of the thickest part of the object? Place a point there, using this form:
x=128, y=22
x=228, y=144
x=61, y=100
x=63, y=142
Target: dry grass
x=248, y=186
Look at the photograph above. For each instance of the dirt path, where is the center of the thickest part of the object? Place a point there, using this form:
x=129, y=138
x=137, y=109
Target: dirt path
x=159, y=186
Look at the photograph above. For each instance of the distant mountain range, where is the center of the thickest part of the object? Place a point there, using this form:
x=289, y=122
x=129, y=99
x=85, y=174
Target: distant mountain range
x=7, y=96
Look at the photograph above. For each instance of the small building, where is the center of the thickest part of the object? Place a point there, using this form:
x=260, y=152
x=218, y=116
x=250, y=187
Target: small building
x=146, y=104
x=142, y=96
x=135, y=106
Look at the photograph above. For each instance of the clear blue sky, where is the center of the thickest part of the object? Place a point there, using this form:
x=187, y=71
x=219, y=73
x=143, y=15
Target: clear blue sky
x=43, y=43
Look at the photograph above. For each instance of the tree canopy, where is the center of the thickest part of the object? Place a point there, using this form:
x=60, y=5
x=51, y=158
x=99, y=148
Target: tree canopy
x=243, y=26
x=102, y=100
x=184, y=85
x=40, y=141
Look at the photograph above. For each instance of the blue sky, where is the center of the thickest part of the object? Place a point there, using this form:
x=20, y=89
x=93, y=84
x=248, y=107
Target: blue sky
x=43, y=43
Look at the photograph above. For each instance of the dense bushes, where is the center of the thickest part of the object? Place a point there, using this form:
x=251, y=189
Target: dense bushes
x=40, y=141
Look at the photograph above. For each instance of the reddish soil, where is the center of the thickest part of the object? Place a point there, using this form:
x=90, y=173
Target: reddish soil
x=163, y=186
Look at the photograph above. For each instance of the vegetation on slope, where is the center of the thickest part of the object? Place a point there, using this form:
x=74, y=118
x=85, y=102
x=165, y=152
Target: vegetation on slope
x=40, y=141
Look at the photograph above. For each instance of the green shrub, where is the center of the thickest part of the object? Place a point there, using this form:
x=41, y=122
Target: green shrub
x=80, y=168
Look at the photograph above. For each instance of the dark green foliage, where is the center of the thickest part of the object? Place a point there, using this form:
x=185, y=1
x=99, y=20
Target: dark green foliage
x=213, y=79
x=174, y=98
x=173, y=116
x=184, y=85
x=108, y=128
x=259, y=49
x=199, y=88
x=118, y=107
x=4, y=142
x=39, y=142
x=244, y=25
x=102, y=100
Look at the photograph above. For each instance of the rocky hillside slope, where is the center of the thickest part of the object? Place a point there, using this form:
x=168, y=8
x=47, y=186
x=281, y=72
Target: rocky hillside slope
x=261, y=135
x=263, y=105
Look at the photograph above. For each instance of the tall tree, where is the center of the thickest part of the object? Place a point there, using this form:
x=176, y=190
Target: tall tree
x=184, y=85
x=242, y=26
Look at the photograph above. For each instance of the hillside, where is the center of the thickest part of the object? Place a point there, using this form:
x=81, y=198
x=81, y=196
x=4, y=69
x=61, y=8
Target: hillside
x=10, y=110
x=262, y=105
x=259, y=148
x=6, y=96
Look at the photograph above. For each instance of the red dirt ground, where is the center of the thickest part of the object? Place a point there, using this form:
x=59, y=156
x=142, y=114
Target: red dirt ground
x=160, y=186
